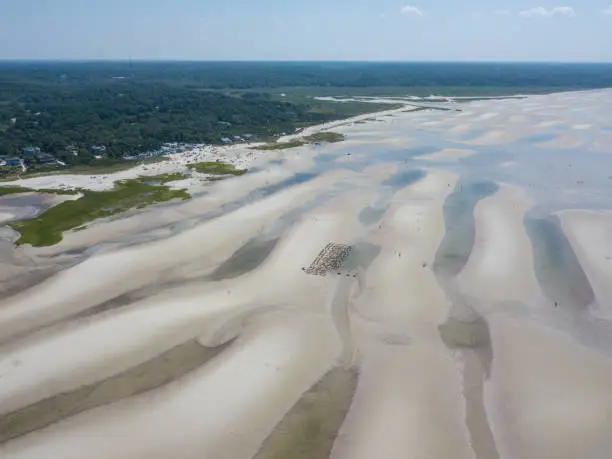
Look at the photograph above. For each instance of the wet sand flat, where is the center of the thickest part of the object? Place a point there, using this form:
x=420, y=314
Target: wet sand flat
x=103, y=277
x=563, y=408
x=406, y=405
x=158, y=371
x=501, y=267
x=460, y=307
x=310, y=429
x=449, y=153
x=590, y=234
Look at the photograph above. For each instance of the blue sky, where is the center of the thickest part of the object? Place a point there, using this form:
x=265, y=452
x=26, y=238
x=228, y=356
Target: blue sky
x=449, y=30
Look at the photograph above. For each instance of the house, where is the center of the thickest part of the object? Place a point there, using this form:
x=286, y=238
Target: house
x=31, y=151
x=13, y=161
x=226, y=140
x=98, y=149
x=237, y=138
x=73, y=149
x=45, y=158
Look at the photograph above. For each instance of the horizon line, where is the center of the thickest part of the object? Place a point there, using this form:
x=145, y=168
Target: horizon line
x=285, y=61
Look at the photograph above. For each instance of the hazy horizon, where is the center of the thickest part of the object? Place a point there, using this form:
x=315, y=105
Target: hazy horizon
x=294, y=61
x=273, y=30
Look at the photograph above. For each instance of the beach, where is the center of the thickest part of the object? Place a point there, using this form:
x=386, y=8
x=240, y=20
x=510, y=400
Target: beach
x=434, y=286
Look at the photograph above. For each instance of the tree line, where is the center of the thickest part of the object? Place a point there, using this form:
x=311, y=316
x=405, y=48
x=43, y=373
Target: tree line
x=132, y=117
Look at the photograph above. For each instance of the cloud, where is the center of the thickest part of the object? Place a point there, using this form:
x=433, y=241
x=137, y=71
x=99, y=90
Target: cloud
x=533, y=12
x=540, y=11
x=501, y=12
x=608, y=10
x=564, y=11
x=411, y=11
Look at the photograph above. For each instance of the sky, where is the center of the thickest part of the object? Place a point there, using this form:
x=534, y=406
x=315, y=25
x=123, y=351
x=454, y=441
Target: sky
x=365, y=30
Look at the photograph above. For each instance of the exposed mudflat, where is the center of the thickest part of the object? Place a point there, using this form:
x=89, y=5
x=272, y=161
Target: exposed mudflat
x=470, y=318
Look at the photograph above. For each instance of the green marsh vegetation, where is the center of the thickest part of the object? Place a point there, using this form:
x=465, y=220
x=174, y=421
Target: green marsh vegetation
x=47, y=229
x=162, y=179
x=319, y=137
x=216, y=168
x=7, y=190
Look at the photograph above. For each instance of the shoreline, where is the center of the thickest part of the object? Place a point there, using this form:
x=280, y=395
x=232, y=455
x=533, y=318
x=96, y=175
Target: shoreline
x=241, y=156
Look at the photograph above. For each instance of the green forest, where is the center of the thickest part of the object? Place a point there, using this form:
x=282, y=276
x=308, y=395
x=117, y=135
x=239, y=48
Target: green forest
x=129, y=118
x=66, y=114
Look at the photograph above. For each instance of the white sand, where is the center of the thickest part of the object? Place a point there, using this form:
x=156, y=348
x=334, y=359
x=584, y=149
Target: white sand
x=501, y=265
x=563, y=140
x=408, y=402
x=589, y=235
x=548, y=124
x=173, y=317
x=448, y=153
x=431, y=123
x=162, y=324
x=550, y=397
x=493, y=137
x=547, y=397
x=398, y=288
x=461, y=128
x=407, y=405
x=487, y=116
x=103, y=277
x=6, y=216
x=337, y=124
x=517, y=119
x=224, y=410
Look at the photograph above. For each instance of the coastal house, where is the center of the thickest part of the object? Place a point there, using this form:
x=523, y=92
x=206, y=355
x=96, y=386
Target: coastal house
x=73, y=149
x=45, y=158
x=12, y=162
x=31, y=151
x=98, y=150
x=226, y=140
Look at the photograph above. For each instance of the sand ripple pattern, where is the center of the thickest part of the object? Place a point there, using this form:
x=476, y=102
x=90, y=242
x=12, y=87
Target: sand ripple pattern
x=429, y=295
